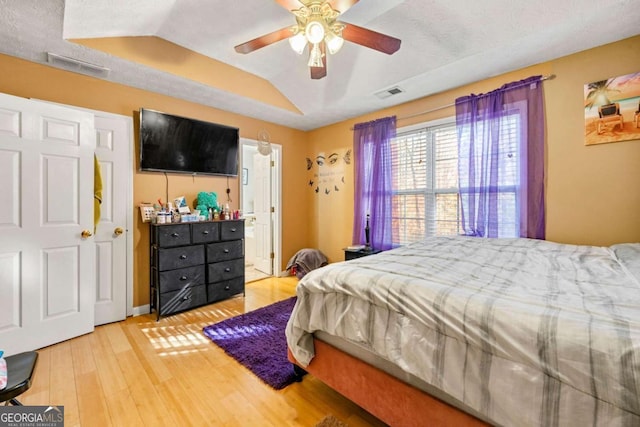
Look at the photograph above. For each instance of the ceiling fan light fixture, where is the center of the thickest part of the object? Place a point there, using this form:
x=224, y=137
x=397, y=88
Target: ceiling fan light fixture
x=298, y=43
x=317, y=25
x=314, y=32
x=315, y=57
x=334, y=42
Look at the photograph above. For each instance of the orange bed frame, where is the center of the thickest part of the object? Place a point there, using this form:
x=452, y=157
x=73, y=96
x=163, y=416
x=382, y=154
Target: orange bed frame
x=391, y=400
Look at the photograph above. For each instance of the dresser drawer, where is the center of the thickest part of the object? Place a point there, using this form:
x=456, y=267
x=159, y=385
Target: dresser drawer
x=222, y=290
x=185, y=256
x=231, y=230
x=172, y=235
x=183, y=299
x=175, y=279
x=224, y=251
x=205, y=232
x=225, y=270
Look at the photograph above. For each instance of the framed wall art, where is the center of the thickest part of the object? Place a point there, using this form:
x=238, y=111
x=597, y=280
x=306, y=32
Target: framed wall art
x=612, y=109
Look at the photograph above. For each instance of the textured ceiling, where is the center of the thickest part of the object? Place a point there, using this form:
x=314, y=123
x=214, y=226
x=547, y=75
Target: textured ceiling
x=444, y=45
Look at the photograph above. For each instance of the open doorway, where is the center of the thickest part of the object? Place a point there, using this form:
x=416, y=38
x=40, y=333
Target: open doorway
x=260, y=204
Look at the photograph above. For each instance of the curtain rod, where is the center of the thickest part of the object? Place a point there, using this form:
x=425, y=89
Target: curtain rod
x=442, y=107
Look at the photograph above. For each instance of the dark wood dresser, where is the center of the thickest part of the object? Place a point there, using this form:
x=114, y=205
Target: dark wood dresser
x=196, y=263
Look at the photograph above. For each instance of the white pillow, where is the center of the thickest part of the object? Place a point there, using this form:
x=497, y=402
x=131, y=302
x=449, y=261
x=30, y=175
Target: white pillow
x=628, y=254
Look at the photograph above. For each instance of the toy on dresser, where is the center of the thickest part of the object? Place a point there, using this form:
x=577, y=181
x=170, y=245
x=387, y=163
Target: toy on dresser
x=207, y=202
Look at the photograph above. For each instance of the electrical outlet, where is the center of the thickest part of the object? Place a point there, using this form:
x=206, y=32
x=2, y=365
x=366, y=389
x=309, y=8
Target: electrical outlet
x=146, y=212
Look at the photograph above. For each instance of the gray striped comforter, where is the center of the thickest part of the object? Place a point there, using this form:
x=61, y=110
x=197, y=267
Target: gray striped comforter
x=527, y=332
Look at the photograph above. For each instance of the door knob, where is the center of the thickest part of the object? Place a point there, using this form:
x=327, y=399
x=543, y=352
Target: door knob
x=86, y=233
x=118, y=231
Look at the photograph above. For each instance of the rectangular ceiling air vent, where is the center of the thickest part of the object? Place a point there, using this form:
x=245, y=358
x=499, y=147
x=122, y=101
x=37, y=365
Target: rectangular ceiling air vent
x=77, y=65
x=389, y=92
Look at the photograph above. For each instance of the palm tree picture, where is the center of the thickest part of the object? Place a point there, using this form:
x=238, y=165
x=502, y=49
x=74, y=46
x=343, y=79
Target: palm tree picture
x=598, y=93
x=610, y=109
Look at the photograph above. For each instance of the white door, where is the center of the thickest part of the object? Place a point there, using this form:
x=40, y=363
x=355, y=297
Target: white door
x=262, y=209
x=47, y=270
x=112, y=149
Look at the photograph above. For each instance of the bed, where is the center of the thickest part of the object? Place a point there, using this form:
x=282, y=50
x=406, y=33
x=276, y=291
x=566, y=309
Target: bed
x=468, y=331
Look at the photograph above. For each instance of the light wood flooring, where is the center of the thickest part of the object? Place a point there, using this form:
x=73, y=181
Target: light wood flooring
x=251, y=274
x=140, y=372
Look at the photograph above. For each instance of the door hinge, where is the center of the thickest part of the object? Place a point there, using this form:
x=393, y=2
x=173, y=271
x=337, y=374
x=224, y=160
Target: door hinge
x=273, y=163
x=273, y=209
x=271, y=255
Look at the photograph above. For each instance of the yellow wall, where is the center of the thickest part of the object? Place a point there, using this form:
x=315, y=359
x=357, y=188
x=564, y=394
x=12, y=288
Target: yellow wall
x=593, y=192
x=31, y=80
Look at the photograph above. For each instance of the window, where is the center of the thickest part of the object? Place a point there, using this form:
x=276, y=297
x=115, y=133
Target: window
x=425, y=183
x=426, y=193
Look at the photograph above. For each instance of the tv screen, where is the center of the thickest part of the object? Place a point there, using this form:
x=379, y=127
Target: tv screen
x=171, y=143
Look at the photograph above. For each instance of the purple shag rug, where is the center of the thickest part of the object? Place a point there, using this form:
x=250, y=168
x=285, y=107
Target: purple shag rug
x=256, y=340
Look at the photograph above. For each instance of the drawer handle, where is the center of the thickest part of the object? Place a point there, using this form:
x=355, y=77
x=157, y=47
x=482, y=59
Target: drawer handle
x=183, y=278
x=233, y=230
x=226, y=251
x=183, y=257
x=175, y=235
x=186, y=297
x=226, y=288
x=226, y=270
x=205, y=232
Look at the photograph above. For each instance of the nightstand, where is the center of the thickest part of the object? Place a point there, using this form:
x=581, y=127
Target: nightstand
x=358, y=253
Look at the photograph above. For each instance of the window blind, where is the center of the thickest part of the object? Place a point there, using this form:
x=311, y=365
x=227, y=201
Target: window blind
x=425, y=182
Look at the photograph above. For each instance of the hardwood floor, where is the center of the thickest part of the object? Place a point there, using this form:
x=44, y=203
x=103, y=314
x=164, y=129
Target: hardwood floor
x=142, y=372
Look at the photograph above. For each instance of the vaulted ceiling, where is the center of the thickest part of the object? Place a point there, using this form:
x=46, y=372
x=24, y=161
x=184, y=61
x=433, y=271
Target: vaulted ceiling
x=185, y=48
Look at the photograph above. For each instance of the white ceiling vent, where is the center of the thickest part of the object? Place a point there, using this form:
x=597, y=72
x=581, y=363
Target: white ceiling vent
x=389, y=92
x=77, y=66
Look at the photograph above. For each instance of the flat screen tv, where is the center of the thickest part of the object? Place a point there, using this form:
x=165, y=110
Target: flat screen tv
x=171, y=143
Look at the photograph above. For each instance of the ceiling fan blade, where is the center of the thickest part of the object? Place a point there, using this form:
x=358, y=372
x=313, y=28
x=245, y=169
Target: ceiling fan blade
x=289, y=4
x=265, y=40
x=342, y=5
x=370, y=39
x=320, y=72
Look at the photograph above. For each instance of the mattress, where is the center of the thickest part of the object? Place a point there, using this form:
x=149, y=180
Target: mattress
x=524, y=332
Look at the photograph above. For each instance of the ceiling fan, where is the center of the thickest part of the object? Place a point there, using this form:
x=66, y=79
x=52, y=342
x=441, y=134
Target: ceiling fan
x=317, y=27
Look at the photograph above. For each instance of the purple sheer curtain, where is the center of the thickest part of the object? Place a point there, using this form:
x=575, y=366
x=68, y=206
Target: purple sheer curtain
x=485, y=160
x=373, y=186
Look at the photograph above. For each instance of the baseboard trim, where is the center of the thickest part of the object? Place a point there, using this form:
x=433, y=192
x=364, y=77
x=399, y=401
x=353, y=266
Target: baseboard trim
x=142, y=309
